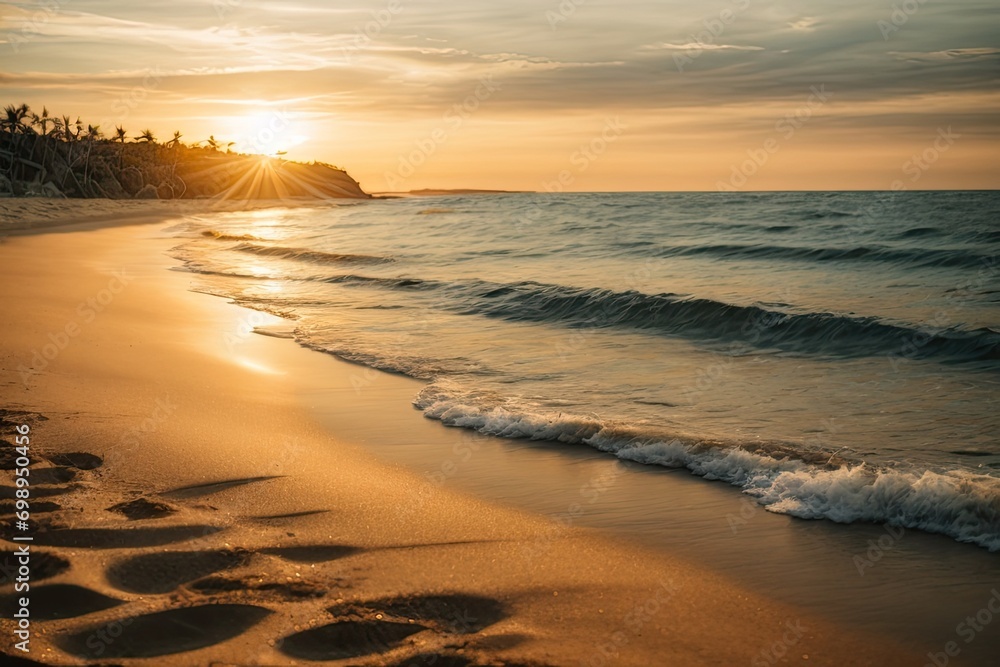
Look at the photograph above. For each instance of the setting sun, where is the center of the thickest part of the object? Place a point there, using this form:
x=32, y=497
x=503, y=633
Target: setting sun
x=266, y=132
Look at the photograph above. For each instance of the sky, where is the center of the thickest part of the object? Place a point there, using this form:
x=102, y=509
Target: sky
x=574, y=95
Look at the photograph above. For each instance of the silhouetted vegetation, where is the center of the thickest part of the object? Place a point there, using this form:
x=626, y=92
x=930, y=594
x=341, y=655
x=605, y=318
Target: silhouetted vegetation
x=43, y=155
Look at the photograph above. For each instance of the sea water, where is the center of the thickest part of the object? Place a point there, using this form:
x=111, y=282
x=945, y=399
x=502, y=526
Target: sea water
x=834, y=355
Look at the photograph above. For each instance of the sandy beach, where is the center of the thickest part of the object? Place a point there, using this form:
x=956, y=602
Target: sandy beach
x=188, y=508
x=556, y=334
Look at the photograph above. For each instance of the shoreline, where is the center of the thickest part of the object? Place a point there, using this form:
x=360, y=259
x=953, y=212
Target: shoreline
x=21, y=216
x=237, y=422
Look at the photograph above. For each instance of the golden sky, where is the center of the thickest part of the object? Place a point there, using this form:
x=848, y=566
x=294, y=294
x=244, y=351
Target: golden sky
x=580, y=95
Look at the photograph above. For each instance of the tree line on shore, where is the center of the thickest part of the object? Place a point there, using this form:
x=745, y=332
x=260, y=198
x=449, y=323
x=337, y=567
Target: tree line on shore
x=55, y=156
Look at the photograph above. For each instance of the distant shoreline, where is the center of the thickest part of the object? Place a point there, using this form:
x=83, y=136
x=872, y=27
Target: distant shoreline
x=437, y=192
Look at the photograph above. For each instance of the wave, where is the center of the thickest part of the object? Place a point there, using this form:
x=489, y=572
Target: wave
x=822, y=215
x=987, y=236
x=707, y=320
x=390, y=283
x=314, y=256
x=917, y=232
x=223, y=236
x=803, y=483
x=191, y=266
x=390, y=360
x=740, y=328
x=914, y=257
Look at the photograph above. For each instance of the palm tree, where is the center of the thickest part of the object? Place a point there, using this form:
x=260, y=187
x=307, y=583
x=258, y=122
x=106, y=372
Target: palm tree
x=67, y=134
x=175, y=144
x=92, y=134
x=14, y=122
x=10, y=120
x=42, y=122
x=66, y=129
x=148, y=139
x=120, y=136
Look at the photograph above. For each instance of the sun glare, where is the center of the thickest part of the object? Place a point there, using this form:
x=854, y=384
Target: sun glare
x=270, y=133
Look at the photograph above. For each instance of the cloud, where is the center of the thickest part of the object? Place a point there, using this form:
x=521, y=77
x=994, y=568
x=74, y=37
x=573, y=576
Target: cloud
x=698, y=46
x=949, y=54
x=805, y=24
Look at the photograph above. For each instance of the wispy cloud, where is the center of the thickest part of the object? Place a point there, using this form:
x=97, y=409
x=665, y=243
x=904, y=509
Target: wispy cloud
x=950, y=54
x=698, y=46
x=805, y=24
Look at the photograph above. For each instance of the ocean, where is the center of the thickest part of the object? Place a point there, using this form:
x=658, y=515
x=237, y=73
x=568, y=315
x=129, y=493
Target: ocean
x=833, y=355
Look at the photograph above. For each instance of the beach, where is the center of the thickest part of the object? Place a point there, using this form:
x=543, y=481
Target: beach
x=248, y=529
x=586, y=334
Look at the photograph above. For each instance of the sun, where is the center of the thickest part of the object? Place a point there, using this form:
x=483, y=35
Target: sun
x=270, y=132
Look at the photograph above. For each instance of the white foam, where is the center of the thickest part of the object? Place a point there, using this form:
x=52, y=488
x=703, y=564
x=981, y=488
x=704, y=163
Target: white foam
x=962, y=505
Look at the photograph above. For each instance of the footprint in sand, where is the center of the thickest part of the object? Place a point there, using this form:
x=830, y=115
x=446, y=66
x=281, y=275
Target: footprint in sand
x=58, y=475
x=316, y=553
x=357, y=629
x=43, y=566
x=48, y=481
x=125, y=538
x=8, y=455
x=377, y=626
x=78, y=460
x=10, y=492
x=142, y=508
x=8, y=509
x=59, y=601
x=165, y=572
x=150, y=635
x=348, y=639
x=9, y=419
x=17, y=661
x=163, y=633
